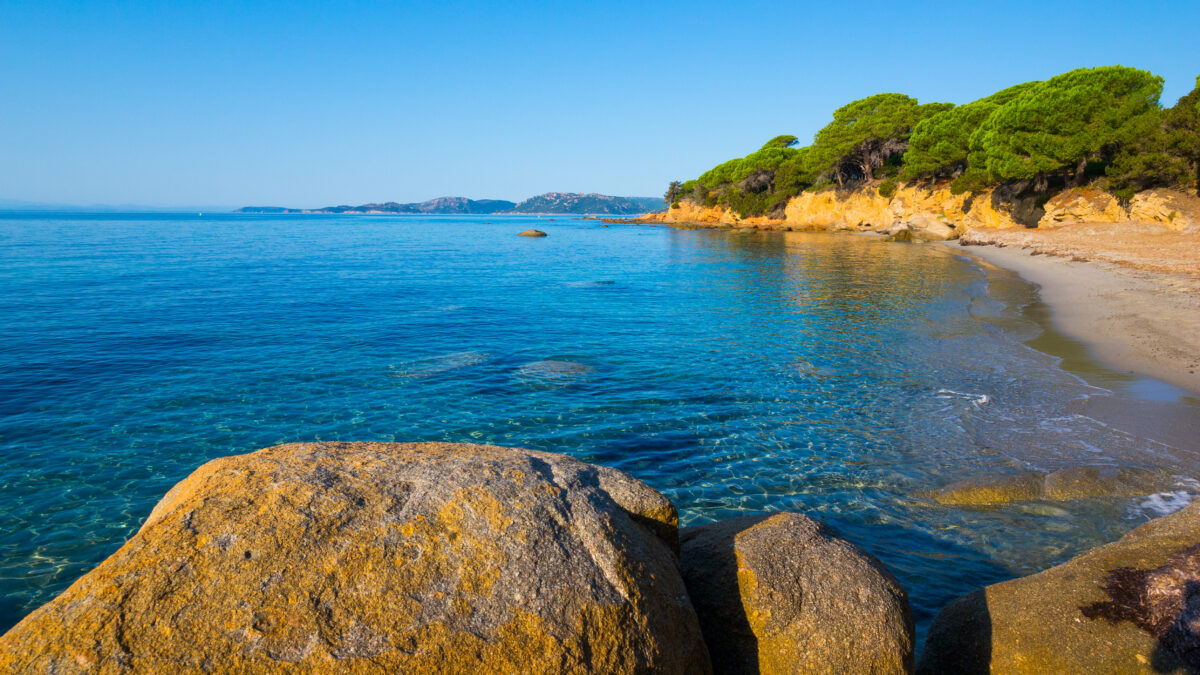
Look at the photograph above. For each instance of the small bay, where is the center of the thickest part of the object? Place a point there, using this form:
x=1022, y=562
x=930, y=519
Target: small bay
x=833, y=375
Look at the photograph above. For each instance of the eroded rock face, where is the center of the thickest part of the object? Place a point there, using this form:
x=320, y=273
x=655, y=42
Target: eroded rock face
x=1177, y=210
x=1132, y=606
x=1081, y=205
x=783, y=594
x=367, y=557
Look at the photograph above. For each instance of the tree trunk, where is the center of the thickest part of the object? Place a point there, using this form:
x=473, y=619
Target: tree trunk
x=1080, y=172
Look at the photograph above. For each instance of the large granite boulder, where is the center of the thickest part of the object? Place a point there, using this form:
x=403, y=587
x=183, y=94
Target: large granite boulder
x=372, y=557
x=784, y=594
x=1132, y=606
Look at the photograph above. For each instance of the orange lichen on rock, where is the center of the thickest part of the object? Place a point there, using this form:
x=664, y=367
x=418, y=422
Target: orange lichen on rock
x=783, y=594
x=381, y=558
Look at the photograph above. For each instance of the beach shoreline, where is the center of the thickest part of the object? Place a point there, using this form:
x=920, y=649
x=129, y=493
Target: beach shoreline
x=1132, y=321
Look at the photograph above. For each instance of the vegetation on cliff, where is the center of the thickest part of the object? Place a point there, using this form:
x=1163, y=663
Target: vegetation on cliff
x=1086, y=126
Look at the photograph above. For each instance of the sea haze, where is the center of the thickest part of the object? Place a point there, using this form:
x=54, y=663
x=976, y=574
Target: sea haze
x=735, y=372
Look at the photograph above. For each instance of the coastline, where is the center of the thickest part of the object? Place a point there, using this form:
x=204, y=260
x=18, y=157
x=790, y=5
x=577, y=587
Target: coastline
x=1133, y=321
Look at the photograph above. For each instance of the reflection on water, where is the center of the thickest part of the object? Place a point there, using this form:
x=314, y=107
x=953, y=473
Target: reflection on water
x=834, y=375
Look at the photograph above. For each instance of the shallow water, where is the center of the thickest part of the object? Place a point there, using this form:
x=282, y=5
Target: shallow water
x=736, y=372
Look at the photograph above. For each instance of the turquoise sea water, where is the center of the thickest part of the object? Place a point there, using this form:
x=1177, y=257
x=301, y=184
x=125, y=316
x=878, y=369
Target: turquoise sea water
x=833, y=375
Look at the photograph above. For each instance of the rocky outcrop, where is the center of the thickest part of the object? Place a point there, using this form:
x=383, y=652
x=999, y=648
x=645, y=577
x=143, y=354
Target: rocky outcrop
x=913, y=212
x=933, y=213
x=1081, y=205
x=1176, y=210
x=371, y=557
x=783, y=594
x=531, y=233
x=1078, y=482
x=687, y=213
x=1132, y=606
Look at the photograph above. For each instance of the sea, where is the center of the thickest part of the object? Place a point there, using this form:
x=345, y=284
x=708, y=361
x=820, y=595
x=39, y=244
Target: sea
x=839, y=376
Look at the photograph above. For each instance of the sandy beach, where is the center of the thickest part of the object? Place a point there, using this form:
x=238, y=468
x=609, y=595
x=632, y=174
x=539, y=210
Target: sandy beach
x=1141, y=318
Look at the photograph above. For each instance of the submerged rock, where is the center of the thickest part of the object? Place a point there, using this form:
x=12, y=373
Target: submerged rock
x=1132, y=606
x=436, y=365
x=989, y=490
x=553, y=373
x=1078, y=482
x=783, y=594
x=374, y=557
x=531, y=233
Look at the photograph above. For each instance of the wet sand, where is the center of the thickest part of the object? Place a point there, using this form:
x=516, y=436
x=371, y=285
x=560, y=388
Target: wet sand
x=1133, y=321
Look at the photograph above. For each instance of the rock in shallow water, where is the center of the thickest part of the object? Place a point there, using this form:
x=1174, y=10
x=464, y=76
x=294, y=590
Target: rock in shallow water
x=371, y=557
x=1132, y=606
x=531, y=233
x=783, y=594
x=553, y=373
x=1077, y=482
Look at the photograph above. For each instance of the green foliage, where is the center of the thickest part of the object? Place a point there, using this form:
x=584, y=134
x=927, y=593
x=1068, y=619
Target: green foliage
x=1078, y=126
x=674, y=193
x=736, y=170
x=864, y=134
x=940, y=144
x=1161, y=150
x=1059, y=124
x=973, y=180
x=1143, y=160
x=783, y=141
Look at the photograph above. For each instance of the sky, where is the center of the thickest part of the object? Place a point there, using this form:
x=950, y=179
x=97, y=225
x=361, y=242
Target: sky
x=309, y=104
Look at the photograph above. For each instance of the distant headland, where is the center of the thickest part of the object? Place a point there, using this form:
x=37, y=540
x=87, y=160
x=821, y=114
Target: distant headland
x=551, y=202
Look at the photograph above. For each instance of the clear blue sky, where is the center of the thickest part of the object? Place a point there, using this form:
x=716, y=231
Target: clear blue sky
x=307, y=104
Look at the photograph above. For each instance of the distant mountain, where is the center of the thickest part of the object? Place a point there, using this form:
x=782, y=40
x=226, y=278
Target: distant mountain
x=551, y=202
x=570, y=202
x=439, y=205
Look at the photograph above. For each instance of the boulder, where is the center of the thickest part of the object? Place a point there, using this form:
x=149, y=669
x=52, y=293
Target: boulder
x=784, y=594
x=1081, y=205
x=1177, y=210
x=377, y=557
x=898, y=232
x=925, y=227
x=531, y=233
x=1132, y=606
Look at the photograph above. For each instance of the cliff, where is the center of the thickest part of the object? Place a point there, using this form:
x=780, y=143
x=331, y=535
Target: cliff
x=935, y=213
